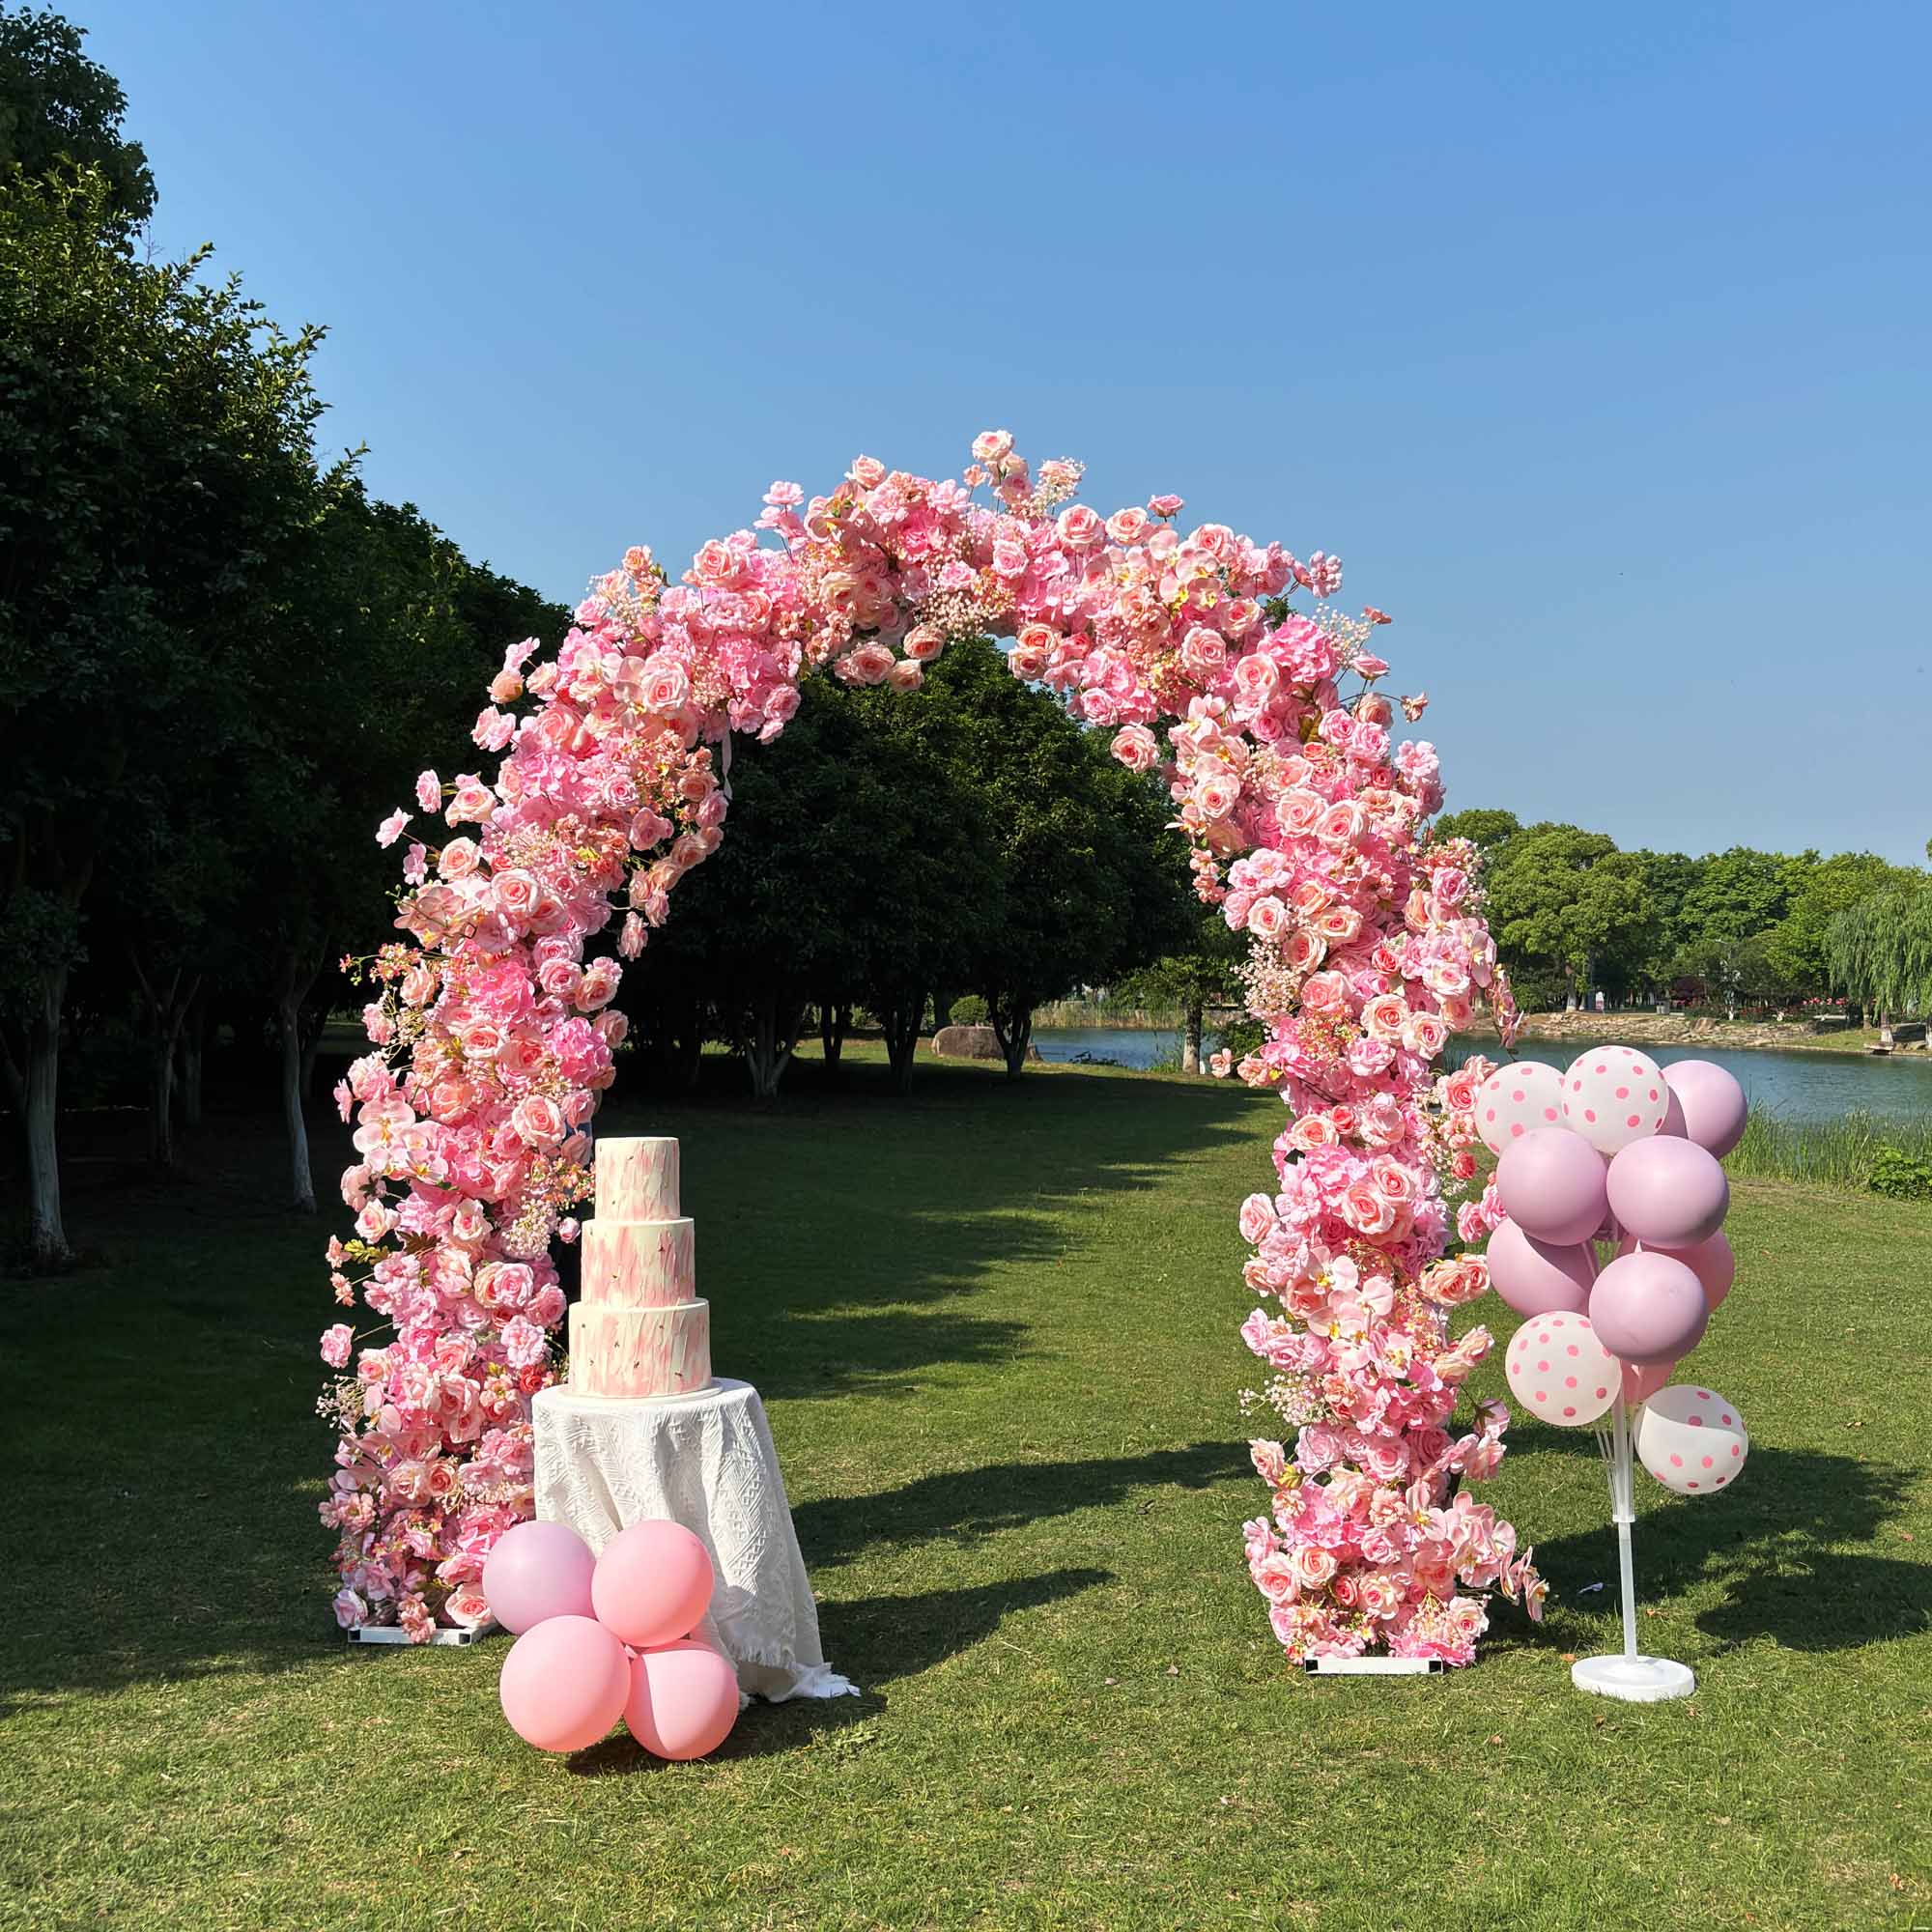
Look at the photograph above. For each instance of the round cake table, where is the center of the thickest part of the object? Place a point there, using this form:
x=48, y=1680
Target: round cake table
x=707, y=1460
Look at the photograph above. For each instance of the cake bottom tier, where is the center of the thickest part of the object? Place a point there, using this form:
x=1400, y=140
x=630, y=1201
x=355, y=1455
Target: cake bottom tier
x=639, y=1351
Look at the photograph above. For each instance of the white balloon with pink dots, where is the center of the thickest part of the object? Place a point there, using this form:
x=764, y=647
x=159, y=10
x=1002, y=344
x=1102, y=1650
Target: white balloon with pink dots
x=1613, y=1095
x=1516, y=1100
x=1691, y=1440
x=1560, y=1371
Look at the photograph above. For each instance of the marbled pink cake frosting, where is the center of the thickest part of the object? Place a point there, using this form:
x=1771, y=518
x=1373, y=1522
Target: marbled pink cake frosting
x=640, y=1263
x=636, y=1178
x=639, y=1351
x=640, y=1328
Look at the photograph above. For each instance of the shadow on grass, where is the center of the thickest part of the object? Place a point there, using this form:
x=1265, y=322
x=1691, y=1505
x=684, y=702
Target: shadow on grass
x=966, y=1505
x=1789, y=1546
x=874, y=1640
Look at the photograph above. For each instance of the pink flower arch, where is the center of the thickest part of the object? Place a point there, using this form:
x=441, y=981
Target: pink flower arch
x=491, y=1033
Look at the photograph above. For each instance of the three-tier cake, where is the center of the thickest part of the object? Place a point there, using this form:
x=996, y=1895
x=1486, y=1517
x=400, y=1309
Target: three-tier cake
x=640, y=1328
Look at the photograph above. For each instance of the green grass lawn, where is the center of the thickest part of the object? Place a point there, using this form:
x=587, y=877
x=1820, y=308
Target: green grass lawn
x=995, y=1327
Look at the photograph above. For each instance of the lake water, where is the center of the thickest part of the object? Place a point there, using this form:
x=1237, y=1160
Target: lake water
x=1798, y=1086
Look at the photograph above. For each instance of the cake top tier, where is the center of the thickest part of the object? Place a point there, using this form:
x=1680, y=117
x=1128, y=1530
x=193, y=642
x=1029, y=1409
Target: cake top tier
x=636, y=1178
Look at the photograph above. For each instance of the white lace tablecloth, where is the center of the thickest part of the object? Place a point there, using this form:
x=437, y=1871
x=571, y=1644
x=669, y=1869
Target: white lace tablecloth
x=708, y=1462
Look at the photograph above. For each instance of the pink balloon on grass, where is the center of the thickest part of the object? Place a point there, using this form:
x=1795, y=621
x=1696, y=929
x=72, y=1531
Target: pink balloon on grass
x=1648, y=1307
x=1559, y=1369
x=1535, y=1277
x=1711, y=1105
x=1517, y=1099
x=1669, y=1193
x=653, y=1583
x=1711, y=1261
x=1613, y=1095
x=1691, y=1440
x=1552, y=1185
x=536, y=1571
x=565, y=1684
x=683, y=1701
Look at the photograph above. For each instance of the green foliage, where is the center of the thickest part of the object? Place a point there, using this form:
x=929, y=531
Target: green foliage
x=1901, y=1175
x=1569, y=897
x=1880, y=949
x=1796, y=953
x=969, y=1010
x=1208, y=974
x=1486, y=829
x=1240, y=1038
x=60, y=115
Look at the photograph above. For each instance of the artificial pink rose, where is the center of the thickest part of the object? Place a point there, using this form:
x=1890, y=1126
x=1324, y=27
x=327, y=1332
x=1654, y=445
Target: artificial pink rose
x=1366, y=1210
x=1313, y=1565
x=538, y=1121
x=990, y=445
x=1217, y=794
x=1324, y=993
x=1385, y=1016
x=350, y=1611
x=524, y=1342
x=1299, y=812
x=1425, y=1035
x=391, y=828
x=1080, y=528
x=1136, y=748
x=1267, y=917
x=459, y=858
x=599, y=984
x=1257, y=1218
x=1128, y=526
x=905, y=675
x=1270, y=1461
x=1342, y=825
x=923, y=643
x=335, y=1345
x=1220, y=1064
x=514, y=892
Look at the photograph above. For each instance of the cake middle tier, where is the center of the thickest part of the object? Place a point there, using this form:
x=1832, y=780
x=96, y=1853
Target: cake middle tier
x=641, y=1352
x=639, y=1263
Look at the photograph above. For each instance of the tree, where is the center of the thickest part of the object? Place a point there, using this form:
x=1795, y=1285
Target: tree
x=1094, y=883
x=1796, y=949
x=1734, y=895
x=155, y=466
x=1569, y=897
x=1208, y=974
x=1880, y=949
x=1484, y=828
x=60, y=113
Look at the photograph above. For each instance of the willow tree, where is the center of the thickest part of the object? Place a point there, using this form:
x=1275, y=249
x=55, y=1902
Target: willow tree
x=1880, y=949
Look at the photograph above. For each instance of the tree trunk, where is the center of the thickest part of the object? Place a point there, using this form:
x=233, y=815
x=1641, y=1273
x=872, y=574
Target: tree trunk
x=33, y=1083
x=193, y=1036
x=768, y=1043
x=288, y=1023
x=1190, y=1039
x=311, y=1023
x=835, y=1021
x=901, y=1018
x=168, y=1001
x=1013, y=1028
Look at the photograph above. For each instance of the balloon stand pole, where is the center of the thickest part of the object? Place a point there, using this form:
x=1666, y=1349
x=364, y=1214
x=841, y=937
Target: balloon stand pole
x=1633, y=1677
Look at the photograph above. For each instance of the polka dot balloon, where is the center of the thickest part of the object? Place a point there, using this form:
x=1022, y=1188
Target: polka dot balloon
x=1560, y=1371
x=1691, y=1440
x=1613, y=1095
x=1516, y=1100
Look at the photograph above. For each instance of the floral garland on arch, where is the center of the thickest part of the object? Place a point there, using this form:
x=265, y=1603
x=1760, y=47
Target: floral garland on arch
x=492, y=1035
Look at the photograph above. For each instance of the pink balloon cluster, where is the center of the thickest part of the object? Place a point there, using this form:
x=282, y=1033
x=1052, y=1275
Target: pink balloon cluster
x=1618, y=1150
x=608, y=1637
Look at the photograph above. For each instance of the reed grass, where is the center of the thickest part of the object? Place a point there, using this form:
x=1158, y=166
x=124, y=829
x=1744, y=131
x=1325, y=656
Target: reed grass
x=1833, y=1154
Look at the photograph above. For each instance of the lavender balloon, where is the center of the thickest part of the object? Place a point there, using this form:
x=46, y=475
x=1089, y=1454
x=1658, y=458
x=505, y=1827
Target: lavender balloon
x=536, y=1571
x=1710, y=1106
x=1669, y=1193
x=1536, y=1278
x=1648, y=1307
x=1711, y=1261
x=1551, y=1183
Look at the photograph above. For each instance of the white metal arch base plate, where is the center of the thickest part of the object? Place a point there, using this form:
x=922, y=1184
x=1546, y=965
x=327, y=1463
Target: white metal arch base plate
x=1636, y=1680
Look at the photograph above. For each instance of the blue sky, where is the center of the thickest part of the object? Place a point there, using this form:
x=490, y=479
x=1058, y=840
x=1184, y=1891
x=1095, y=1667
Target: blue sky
x=1594, y=341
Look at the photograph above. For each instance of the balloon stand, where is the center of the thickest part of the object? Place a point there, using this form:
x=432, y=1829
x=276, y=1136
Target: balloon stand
x=396, y=1634
x=1634, y=1678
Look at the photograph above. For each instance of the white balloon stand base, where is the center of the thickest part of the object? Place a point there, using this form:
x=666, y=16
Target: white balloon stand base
x=1636, y=1680
x=1633, y=1678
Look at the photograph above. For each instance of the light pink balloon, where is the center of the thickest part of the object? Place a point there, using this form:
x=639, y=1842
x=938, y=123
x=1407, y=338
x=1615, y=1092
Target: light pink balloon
x=1711, y=1261
x=536, y=1571
x=1559, y=1369
x=1669, y=1193
x=652, y=1584
x=683, y=1701
x=1643, y=1379
x=1552, y=1185
x=1613, y=1095
x=1648, y=1307
x=1536, y=1278
x=1709, y=1104
x=1516, y=1100
x=565, y=1684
